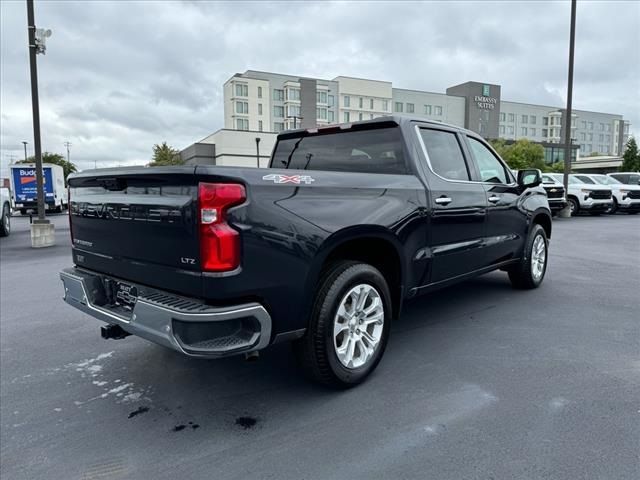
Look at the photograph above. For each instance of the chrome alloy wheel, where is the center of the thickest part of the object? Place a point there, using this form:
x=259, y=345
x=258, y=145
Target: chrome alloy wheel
x=538, y=257
x=358, y=325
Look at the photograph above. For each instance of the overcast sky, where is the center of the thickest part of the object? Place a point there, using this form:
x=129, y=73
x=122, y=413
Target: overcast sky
x=119, y=76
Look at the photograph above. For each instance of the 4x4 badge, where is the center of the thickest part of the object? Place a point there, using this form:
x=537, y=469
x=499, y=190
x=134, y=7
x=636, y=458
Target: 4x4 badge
x=295, y=179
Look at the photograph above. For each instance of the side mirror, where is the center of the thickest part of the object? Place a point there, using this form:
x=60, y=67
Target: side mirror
x=529, y=178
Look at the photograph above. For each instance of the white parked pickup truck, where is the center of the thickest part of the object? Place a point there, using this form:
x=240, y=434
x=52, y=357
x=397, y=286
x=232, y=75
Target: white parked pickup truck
x=5, y=212
x=595, y=199
x=626, y=198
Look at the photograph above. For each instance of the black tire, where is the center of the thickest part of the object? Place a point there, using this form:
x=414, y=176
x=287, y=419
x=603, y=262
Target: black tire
x=5, y=221
x=574, y=205
x=23, y=211
x=522, y=275
x=315, y=351
x=632, y=213
x=614, y=207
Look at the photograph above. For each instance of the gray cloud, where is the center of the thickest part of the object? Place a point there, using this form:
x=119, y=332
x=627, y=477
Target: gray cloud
x=121, y=76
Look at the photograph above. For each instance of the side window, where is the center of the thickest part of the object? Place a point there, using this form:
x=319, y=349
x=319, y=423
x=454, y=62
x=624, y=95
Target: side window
x=491, y=170
x=445, y=154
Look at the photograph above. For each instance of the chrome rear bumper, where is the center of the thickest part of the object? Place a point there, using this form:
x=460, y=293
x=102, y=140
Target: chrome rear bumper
x=183, y=324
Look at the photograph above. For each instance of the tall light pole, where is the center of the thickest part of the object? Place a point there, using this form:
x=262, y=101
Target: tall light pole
x=568, y=119
x=42, y=232
x=67, y=144
x=258, y=152
x=25, y=150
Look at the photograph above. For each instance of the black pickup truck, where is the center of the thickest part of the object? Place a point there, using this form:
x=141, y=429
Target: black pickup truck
x=321, y=248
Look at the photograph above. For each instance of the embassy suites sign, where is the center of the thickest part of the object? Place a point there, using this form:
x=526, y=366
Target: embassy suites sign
x=486, y=101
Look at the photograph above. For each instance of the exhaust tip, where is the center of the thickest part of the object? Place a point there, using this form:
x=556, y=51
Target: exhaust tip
x=115, y=332
x=252, y=356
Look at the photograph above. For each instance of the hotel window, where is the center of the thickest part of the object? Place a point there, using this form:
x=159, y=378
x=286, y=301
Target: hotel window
x=590, y=125
x=399, y=107
x=512, y=117
x=583, y=136
x=259, y=109
x=360, y=102
x=360, y=116
x=293, y=93
x=322, y=113
x=411, y=108
x=602, y=127
x=523, y=131
x=510, y=130
x=293, y=110
x=331, y=101
x=608, y=127
x=242, y=123
x=608, y=138
x=371, y=104
x=331, y=116
x=260, y=125
x=503, y=116
x=242, y=90
x=589, y=148
x=545, y=120
x=427, y=109
x=259, y=92
x=321, y=97
x=278, y=95
x=591, y=137
x=532, y=132
x=502, y=129
x=583, y=125
x=525, y=118
x=278, y=111
x=532, y=119
x=438, y=110
x=347, y=101
x=278, y=127
x=601, y=137
x=242, y=107
x=385, y=105
x=347, y=117
x=573, y=123
x=545, y=133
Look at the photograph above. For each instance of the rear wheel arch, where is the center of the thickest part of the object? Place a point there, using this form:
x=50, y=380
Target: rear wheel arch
x=377, y=247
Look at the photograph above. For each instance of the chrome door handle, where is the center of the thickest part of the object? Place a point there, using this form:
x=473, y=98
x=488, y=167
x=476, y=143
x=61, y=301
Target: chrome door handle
x=494, y=199
x=443, y=200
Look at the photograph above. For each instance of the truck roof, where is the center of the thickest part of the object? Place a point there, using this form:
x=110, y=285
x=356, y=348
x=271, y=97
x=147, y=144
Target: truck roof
x=395, y=119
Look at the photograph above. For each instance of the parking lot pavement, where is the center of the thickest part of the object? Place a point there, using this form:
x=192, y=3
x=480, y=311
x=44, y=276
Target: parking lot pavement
x=479, y=381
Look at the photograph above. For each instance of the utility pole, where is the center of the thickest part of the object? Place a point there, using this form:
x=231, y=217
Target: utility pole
x=258, y=152
x=25, y=150
x=67, y=144
x=42, y=232
x=568, y=120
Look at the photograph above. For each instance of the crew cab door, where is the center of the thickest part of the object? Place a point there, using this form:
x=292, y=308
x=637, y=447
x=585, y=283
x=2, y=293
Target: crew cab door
x=506, y=225
x=458, y=206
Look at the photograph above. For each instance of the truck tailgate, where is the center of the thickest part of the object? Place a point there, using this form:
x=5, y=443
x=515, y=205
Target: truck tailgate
x=138, y=224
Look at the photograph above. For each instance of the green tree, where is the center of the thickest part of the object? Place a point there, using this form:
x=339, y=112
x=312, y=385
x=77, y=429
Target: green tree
x=165, y=155
x=56, y=159
x=521, y=154
x=557, y=167
x=631, y=157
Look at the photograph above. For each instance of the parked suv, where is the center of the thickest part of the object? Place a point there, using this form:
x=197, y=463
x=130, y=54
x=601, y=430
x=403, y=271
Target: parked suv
x=628, y=178
x=625, y=197
x=320, y=249
x=555, y=193
x=595, y=199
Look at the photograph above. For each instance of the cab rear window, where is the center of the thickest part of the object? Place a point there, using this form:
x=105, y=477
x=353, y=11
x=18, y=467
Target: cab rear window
x=377, y=150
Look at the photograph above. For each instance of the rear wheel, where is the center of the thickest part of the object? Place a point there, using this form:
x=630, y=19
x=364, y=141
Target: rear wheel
x=349, y=326
x=530, y=272
x=614, y=207
x=5, y=222
x=574, y=206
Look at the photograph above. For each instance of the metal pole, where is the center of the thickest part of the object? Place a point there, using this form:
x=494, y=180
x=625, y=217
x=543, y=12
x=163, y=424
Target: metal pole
x=258, y=152
x=25, y=150
x=36, y=111
x=567, y=133
x=67, y=144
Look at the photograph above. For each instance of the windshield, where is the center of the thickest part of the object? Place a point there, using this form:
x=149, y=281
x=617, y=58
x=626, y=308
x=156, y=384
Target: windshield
x=604, y=180
x=548, y=179
x=573, y=180
x=587, y=180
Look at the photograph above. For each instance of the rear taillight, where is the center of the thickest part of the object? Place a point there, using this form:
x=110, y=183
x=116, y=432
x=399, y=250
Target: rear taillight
x=219, y=243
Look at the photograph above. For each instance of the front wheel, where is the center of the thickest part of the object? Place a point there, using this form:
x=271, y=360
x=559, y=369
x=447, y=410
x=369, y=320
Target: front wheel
x=349, y=326
x=529, y=273
x=614, y=207
x=574, y=206
x=5, y=222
